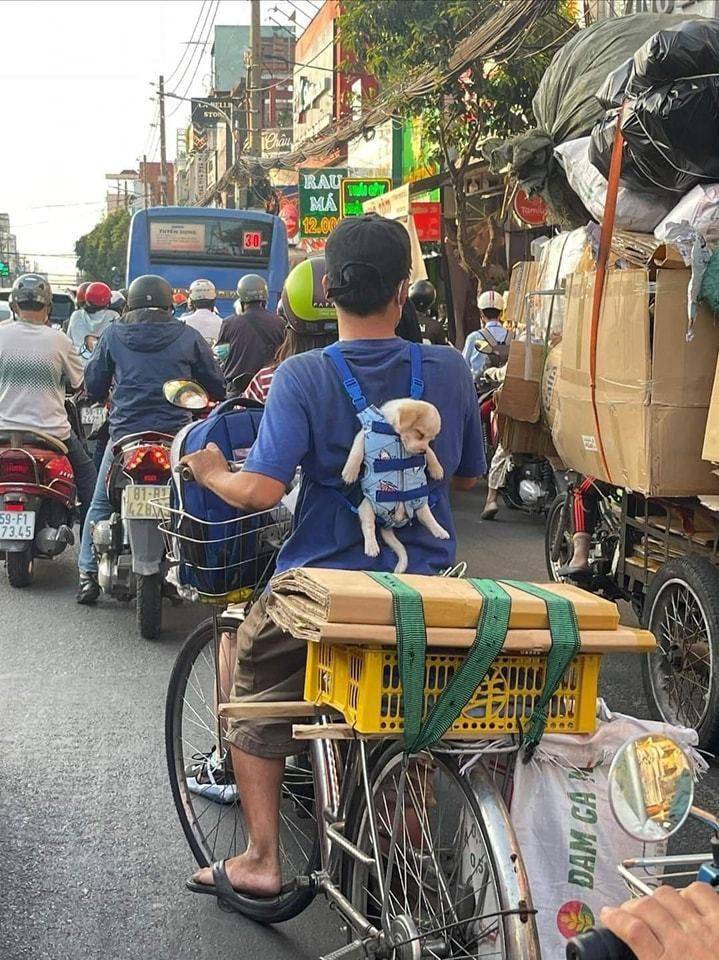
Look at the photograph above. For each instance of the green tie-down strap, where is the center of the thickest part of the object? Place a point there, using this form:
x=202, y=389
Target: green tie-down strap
x=566, y=642
x=411, y=649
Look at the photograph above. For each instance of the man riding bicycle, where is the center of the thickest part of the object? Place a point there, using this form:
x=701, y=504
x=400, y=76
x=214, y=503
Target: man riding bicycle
x=310, y=422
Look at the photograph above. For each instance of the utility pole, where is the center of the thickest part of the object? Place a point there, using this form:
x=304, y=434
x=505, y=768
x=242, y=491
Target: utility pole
x=144, y=178
x=255, y=81
x=163, y=145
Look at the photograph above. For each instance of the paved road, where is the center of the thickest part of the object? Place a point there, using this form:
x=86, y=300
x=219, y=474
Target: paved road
x=93, y=859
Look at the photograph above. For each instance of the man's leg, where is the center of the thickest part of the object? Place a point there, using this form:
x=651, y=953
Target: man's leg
x=495, y=481
x=270, y=667
x=100, y=509
x=585, y=503
x=85, y=474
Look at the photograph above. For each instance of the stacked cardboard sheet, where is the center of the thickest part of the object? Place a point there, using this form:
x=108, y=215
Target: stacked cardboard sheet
x=341, y=606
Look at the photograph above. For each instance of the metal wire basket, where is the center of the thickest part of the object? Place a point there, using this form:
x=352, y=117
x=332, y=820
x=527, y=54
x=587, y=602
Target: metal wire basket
x=221, y=562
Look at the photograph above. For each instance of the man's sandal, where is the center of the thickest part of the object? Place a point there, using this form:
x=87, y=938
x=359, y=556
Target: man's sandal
x=227, y=897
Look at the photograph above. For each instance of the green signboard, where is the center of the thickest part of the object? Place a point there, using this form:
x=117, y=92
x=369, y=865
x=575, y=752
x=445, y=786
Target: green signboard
x=355, y=190
x=319, y=192
x=4, y=269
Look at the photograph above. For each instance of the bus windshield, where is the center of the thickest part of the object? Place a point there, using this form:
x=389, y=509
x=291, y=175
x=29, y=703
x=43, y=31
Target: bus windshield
x=183, y=244
x=209, y=240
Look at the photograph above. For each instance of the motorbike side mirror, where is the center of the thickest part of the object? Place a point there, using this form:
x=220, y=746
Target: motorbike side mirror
x=186, y=394
x=90, y=342
x=651, y=787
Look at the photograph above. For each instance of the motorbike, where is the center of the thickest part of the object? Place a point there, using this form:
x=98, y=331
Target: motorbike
x=651, y=795
x=37, y=501
x=129, y=547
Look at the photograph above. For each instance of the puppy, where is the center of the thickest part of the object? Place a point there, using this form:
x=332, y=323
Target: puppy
x=417, y=423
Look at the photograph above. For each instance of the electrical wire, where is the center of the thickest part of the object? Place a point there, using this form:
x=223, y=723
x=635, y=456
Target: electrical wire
x=189, y=44
x=201, y=47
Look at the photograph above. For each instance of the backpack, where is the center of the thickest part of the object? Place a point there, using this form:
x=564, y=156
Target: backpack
x=220, y=551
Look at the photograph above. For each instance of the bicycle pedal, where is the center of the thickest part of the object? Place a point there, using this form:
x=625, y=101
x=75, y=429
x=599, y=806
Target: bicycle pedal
x=352, y=951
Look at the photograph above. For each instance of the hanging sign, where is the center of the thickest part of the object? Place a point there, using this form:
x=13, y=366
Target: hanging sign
x=320, y=200
x=355, y=190
x=530, y=210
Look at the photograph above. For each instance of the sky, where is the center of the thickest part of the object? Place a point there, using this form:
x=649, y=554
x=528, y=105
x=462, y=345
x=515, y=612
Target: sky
x=77, y=79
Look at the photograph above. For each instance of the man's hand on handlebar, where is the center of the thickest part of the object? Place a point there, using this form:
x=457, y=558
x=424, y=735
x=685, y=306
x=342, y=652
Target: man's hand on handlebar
x=670, y=925
x=206, y=464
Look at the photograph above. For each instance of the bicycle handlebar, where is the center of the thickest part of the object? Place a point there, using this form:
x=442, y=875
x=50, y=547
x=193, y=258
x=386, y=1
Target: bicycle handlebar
x=598, y=944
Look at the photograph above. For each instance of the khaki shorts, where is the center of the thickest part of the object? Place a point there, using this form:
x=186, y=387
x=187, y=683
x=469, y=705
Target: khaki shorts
x=270, y=667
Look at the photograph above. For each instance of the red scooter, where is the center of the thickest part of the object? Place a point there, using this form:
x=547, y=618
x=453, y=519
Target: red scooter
x=37, y=501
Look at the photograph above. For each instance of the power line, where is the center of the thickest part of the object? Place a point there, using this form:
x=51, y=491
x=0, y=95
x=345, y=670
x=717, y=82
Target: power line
x=199, y=47
x=189, y=44
x=200, y=51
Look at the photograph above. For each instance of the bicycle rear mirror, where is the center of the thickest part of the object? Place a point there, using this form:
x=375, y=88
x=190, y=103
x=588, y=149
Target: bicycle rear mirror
x=186, y=394
x=651, y=787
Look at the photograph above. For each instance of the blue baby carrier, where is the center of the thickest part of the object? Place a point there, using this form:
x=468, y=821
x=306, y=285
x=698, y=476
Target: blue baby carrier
x=220, y=551
x=391, y=475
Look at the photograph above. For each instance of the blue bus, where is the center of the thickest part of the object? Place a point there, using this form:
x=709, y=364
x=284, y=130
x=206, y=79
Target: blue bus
x=184, y=243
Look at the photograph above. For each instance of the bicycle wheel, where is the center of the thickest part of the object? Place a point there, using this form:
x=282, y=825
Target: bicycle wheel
x=202, y=780
x=456, y=887
x=556, y=554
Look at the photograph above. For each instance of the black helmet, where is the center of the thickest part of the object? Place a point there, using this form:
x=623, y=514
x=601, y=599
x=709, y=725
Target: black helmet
x=252, y=289
x=118, y=302
x=149, y=291
x=422, y=294
x=31, y=291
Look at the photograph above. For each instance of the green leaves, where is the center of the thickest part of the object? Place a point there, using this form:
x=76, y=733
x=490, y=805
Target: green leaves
x=105, y=248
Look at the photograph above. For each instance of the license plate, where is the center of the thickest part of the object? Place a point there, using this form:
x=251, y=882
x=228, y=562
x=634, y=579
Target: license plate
x=137, y=501
x=93, y=416
x=17, y=525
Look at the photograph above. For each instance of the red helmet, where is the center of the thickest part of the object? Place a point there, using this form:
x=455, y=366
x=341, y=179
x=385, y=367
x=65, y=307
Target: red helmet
x=80, y=293
x=98, y=295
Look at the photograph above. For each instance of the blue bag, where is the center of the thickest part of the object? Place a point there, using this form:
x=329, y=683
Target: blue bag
x=220, y=550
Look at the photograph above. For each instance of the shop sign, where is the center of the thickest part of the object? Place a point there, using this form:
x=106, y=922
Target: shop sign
x=356, y=190
x=428, y=221
x=418, y=152
x=206, y=113
x=530, y=210
x=393, y=205
x=320, y=200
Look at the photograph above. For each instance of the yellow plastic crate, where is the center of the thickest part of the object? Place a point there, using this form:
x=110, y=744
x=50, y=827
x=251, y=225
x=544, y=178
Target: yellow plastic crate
x=363, y=684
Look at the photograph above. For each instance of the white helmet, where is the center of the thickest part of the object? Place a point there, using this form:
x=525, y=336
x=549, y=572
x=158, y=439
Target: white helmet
x=490, y=300
x=202, y=290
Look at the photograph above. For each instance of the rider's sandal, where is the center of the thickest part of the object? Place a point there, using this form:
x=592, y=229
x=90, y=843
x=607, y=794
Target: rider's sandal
x=227, y=897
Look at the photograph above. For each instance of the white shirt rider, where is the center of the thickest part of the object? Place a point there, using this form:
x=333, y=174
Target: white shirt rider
x=202, y=315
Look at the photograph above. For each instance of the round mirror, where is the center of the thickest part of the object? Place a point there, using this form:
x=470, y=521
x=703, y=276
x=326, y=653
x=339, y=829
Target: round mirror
x=651, y=787
x=90, y=342
x=186, y=394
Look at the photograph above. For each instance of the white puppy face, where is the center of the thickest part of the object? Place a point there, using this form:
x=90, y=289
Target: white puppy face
x=416, y=421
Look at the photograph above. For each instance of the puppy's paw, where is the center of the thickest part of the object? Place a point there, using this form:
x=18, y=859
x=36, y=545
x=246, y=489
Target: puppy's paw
x=436, y=471
x=371, y=549
x=351, y=473
x=440, y=533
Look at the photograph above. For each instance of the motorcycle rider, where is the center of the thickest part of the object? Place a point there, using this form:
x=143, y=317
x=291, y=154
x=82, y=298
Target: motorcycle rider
x=201, y=314
x=36, y=361
x=253, y=336
x=138, y=353
x=490, y=305
x=86, y=325
x=79, y=303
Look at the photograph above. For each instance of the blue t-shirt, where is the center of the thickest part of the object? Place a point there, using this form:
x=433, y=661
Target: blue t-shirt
x=310, y=422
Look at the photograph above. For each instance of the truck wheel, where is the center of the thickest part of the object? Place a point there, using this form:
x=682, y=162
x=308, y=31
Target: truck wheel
x=149, y=605
x=681, y=677
x=19, y=568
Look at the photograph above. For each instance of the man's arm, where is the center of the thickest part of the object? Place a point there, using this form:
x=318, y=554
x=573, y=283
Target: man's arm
x=72, y=367
x=100, y=370
x=246, y=490
x=206, y=371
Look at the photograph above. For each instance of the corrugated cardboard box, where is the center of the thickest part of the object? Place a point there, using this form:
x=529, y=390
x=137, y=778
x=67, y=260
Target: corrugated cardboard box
x=525, y=277
x=711, y=436
x=519, y=396
x=653, y=388
x=520, y=437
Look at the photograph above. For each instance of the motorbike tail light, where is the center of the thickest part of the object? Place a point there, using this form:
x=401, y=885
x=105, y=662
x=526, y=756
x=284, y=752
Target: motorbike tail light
x=59, y=468
x=17, y=467
x=15, y=507
x=150, y=464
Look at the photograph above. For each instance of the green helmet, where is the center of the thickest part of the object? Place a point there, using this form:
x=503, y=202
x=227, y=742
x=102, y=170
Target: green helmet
x=304, y=303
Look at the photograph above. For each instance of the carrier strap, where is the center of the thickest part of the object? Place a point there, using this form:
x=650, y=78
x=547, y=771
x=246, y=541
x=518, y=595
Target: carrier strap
x=351, y=384
x=566, y=643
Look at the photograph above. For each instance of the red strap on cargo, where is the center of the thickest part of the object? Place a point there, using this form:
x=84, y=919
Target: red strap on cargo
x=605, y=243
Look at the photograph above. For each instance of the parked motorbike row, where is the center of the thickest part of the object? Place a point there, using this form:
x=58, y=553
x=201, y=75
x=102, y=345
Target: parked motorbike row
x=38, y=505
